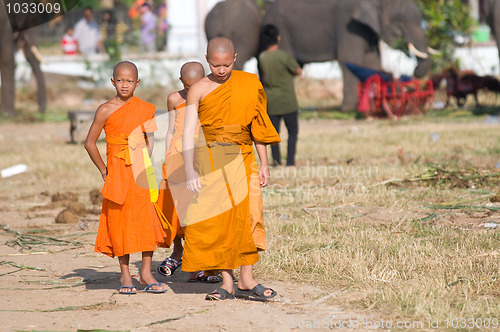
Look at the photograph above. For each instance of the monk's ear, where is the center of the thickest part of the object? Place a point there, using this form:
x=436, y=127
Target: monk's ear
x=235, y=56
x=206, y=57
x=113, y=81
x=138, y=81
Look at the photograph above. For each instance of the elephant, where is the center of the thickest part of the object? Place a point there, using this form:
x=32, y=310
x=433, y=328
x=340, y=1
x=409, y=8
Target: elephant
x=348, y=31
x=9, y=42
x=240, y=21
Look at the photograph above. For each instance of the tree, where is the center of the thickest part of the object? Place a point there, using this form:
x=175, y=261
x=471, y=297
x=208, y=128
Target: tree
x=444, y=21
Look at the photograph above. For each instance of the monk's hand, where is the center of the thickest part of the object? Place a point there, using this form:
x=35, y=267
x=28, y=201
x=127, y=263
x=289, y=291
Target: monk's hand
x=264, y=175
x=193, y=181
x=104, y=174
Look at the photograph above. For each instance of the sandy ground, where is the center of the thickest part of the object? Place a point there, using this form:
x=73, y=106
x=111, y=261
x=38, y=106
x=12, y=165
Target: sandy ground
x=54, y=285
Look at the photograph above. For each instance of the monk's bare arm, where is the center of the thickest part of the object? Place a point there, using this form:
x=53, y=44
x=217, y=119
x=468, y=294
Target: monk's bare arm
x=171, y=103
x=150, y=142
x=100, y=118
x=264, y=174
x=190, y=120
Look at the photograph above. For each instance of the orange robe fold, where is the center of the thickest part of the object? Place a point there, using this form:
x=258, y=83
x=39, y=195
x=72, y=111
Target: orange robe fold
x=129, y=222
x=174, y=197
x=225, y=226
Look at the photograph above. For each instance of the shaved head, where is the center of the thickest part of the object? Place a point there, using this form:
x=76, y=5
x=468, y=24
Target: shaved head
x=125, y=65
x=220, y=45
x=192, y=71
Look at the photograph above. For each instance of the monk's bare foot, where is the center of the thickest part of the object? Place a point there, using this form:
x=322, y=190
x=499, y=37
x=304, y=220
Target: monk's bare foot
x=150, y=280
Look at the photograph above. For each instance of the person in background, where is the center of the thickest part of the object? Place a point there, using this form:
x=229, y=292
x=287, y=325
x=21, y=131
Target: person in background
x=148, y=28
x=162, y=28
x=108, y=31
x=69, y=44
x=277, y=70
x=87, y=34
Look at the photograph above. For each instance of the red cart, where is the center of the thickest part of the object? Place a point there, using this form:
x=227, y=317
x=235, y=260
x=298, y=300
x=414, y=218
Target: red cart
x=380, y=95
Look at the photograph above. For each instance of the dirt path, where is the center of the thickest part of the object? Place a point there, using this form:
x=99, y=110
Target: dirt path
x=74, y=288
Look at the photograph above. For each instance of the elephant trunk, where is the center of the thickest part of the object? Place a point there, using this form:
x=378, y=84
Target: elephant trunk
x=423, y=58
x=423, y=67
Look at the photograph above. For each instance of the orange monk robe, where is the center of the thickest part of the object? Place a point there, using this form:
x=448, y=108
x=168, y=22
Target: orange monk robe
x=174, y=196
x=129, y=222
x=232, y=117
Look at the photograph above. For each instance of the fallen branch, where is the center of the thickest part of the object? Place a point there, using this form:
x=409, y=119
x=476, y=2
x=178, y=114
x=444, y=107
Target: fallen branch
x=20, y=267
x=174, y=318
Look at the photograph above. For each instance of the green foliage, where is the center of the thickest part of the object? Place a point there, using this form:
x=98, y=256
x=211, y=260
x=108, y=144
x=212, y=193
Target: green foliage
x=445, y=19
x=88, y=3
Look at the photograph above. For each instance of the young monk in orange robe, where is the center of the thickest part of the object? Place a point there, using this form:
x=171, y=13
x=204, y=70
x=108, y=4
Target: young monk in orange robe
x=173, y=196
x=222, y=232
x=129, y=222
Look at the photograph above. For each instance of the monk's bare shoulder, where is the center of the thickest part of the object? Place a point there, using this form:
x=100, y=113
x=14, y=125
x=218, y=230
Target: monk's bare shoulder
x=106, y=109
x=174, y=99
x=203, y=87
x=197, y=89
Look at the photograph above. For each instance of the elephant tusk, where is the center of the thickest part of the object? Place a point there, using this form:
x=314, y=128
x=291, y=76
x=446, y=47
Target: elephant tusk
x=36, y=53
x=418, y=54
x=432, y=51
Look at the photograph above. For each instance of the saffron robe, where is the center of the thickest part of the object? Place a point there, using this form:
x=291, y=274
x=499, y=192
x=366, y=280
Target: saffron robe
x=173, y=196
x=225, y=220
x=129, y=222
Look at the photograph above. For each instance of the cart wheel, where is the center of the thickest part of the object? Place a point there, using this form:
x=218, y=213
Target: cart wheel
x=375, y=100
x=425, y=103
x=393, y=107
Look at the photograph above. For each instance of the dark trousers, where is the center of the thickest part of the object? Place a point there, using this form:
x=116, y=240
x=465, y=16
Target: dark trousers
x=292, y=126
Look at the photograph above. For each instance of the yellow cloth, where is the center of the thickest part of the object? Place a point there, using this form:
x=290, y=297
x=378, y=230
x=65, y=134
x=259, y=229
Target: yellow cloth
x=225, y=220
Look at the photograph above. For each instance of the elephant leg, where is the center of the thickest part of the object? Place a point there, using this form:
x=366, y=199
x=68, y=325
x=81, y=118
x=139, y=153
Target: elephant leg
x=7, y=68
x=40, y=79
x=350, y=101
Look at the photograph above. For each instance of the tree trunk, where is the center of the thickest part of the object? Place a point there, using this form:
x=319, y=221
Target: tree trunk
x=40, y=79
x=7, y=69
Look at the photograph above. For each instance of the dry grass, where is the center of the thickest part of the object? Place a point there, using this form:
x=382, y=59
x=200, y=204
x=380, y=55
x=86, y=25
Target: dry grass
x=332, y=220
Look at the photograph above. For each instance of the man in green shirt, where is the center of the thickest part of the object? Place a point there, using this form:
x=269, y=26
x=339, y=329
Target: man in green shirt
x=277, y=69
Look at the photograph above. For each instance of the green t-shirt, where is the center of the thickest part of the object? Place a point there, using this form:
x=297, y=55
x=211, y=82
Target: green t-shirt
x=278, y=69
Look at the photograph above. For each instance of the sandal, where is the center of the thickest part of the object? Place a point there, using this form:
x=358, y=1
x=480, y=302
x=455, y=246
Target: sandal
x=223, y=295
x=254, y=294
x=150, y=288
x=201, y=277
x=168, y=266
x=130, y=291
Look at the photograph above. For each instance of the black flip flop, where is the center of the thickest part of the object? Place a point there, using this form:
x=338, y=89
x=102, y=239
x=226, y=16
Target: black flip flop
x=254, y=294
x=223, y=295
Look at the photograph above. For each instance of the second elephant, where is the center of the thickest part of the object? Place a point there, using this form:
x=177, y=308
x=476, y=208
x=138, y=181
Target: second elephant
x=348, y=31
x=238, y=20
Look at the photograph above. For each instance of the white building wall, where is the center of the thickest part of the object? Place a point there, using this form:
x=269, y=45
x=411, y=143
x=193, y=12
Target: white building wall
x=187, y=20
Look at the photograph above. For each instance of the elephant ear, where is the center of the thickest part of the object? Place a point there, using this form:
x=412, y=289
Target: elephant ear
x=368, y=13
